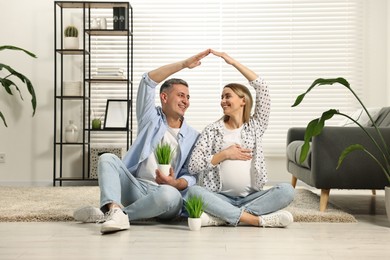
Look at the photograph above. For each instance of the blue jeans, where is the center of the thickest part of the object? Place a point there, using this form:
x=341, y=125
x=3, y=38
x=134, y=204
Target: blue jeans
x=139, y=198
x=258, y=203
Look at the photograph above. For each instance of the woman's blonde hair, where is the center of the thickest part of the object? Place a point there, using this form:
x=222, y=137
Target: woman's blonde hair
x=242, y=92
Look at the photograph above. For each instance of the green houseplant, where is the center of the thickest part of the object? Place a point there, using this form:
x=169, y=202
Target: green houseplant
x=71, y=40
x=71, y=31
x=316, y=126
x=164, y=154
x=7, y=80
x=194, y=206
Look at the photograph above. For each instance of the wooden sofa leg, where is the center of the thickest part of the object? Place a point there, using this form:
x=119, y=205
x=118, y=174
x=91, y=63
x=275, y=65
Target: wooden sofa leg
x=294, y=181
x=324, y=199
x=373, y=192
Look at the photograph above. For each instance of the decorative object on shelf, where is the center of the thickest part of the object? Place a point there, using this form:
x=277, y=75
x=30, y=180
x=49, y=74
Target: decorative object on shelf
x=103, y=23
x=71, y=40
x=117, y=113
x=194, y=206
x=96, y=121
x=108, y=73
x=6, y=81
x=72, y=88
x=97, y=151
x=164, y=154
x=96, y=124
x=120, y=18
x=71, y=132
x=95, y=23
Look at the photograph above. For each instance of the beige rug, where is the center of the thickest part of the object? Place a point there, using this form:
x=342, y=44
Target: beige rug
x=34, y=204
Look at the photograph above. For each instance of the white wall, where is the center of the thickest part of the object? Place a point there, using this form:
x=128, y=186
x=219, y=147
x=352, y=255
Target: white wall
x=28, y=142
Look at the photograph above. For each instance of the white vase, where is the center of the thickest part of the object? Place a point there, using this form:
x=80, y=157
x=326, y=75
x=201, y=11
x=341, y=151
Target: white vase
x=164, y=168
x=71, y=43
x=387, y=201
x=71, y=133
x=194, y=224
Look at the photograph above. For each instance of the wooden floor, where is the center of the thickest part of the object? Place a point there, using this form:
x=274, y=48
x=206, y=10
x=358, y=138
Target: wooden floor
x=367, y=239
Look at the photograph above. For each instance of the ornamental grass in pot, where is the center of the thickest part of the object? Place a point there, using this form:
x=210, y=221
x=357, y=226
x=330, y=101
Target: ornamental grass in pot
x=194, y=206
x=164, y=153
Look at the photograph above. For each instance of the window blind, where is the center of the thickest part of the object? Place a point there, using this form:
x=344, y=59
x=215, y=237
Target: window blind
x=288, y=43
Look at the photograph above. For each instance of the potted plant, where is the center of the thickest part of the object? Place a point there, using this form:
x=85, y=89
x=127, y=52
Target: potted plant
x=96, y=122
x=194, y=206
x=316, y=126
x=71, y=40
x=7, y=83
x=164, y=154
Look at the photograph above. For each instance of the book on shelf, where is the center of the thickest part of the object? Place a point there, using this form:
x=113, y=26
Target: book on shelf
x=120, y=16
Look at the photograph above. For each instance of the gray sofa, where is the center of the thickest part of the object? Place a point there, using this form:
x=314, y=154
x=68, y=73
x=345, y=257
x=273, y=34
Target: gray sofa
x=358, y=170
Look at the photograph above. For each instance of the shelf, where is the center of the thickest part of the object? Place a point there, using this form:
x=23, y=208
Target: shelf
x=109, y=32
x=64, y=143
x=71, y=51
x=109, y=130
x=71, y=97
x=74, y=179
x=107, y=80
x=81, y=63
x=72, y=4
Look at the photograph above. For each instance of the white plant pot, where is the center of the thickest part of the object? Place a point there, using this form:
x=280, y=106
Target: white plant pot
x=387, y=201
x=164, y=168
x=194, y=224
x=71, y=43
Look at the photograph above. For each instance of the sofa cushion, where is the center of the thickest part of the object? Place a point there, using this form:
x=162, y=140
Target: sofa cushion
x=294, y=151
x=362, y=118
x=384, y=117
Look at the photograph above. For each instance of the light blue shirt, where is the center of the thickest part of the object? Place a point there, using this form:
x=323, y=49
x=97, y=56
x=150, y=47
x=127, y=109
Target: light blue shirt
x=152, y=125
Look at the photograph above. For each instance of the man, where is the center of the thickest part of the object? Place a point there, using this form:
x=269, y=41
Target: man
x=133, y=188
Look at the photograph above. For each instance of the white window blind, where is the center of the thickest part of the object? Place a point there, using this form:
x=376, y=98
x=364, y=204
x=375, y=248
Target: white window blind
x=288, y=43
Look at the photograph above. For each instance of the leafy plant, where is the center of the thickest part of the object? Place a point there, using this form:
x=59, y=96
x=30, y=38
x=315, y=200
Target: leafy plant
x=316, y=126
x=71, y=31
x=6, y=82
x=194, y=206
x=164, y=153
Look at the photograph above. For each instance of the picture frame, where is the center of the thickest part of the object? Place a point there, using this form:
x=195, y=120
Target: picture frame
x=117, y=114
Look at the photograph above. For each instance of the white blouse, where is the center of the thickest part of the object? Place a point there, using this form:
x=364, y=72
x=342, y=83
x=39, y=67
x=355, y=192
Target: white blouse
x=211, y=142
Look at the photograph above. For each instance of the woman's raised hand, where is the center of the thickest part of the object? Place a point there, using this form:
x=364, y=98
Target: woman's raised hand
x=223, y=55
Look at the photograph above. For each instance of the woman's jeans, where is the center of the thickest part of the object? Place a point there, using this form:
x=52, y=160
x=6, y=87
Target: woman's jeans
x=140, y=199
x=258, y=203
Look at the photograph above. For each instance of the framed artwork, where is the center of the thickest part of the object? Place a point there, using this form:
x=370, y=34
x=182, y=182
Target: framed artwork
x=117, y=114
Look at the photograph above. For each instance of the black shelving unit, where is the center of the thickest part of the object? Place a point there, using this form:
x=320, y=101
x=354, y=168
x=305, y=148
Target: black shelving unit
x=79, y=151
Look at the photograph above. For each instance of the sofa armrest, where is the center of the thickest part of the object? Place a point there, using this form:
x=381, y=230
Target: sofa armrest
x=358, y=169
x=295, y=134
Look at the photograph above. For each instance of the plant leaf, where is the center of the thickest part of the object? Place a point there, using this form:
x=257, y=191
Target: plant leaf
x=348, y=150
x=9, y=47
x=314, y=128
x=320, y=82
x=7, y=83
x=3, y=118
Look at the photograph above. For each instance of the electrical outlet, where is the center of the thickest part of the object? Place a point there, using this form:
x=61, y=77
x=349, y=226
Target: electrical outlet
x=2, y=157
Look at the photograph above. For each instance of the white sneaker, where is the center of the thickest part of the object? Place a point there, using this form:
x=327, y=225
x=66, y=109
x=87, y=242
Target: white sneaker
x=116, y=220
x=281, y=218
x=88, y=214
x=209, y=220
